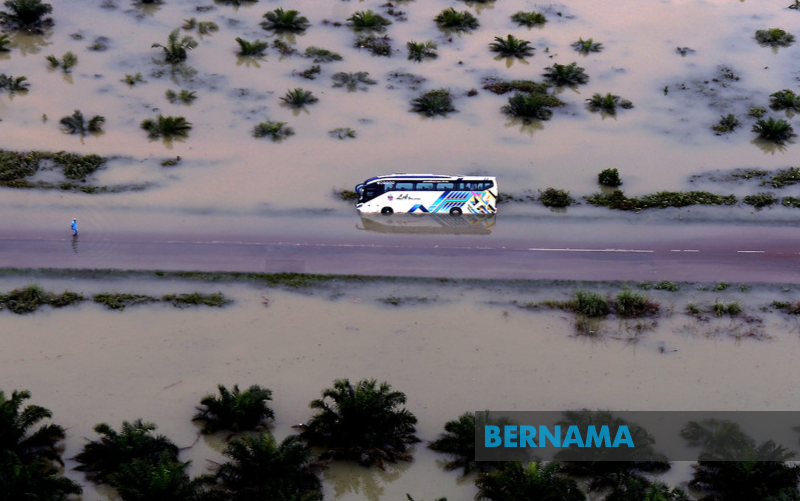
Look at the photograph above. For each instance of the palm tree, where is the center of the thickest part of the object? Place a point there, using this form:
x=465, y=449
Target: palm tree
x=164, y=479
x=434, y=102
x=778, y=131
x=511, y=47
x=176, y=50
x=517, y=481
x=607, y=103
x=76, y=124
x=32, y=481
x=13, y=84
x=254, y=48
x=458, y=440
x=368, y=20
x=417, y=51
x=566, y=74
x=5, y=41
x=362, y=422
x=458, y=21
x=299, y=97
x=274, y=129
x=166, y=127
x=587, y=46
x=134, y=441
x=281, y=20
x=235, y=410
x=15, y=427
x=25, y=14
x=534, y=106
x=746, y=480
x=529, y=19
x=636, y=489
x=785, y=99
x=263, y=469
x=593, y=462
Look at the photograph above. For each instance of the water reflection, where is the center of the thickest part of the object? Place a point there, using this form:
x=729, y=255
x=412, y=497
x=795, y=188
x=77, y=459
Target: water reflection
x=29, y=43
x=347, y=478
x=248, y=61
x=75, y=244
x=526, y=126
x=426, y=224
x=771, y=147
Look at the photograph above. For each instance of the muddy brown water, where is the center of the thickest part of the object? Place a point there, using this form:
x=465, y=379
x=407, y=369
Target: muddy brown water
x=449, y=348
x=89, y=365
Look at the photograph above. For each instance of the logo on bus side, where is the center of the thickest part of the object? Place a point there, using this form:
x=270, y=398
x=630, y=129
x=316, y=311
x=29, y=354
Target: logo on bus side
x=405, y=196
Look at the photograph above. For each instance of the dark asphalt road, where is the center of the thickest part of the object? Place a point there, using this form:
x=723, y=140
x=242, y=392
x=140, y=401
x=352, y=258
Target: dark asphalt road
x=501, y=249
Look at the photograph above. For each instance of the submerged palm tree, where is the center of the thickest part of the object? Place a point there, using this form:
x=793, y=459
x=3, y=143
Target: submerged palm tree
x=254, y=48
x=25, y=14
x=529, y=19
x=161, y=480
x=362, y=422
x=774, y=37
x=352, y=80
x=13, y=84
x=785, y=99
x=458, y=440
x=417, y=51
x=512, y=47
x=276, y=130
x=101, y=458
x=235, y=410
x=778, y=131
x=566, y=74
x=608, y=103
x=434, y=102
x=587, y=46
x=746, y=480
x=176, y=50
x=166, y=127
x=299, y=97
x=281, y=20
x=459, y=21
x=368, y=20
x=260, y=468
x=516, y=481
x=533, y=106
x=15, y=430
x=77, y=124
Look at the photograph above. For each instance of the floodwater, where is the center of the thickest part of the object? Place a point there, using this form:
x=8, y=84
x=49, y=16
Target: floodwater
x=450, y=348
x=656, y=145
x=451, y=354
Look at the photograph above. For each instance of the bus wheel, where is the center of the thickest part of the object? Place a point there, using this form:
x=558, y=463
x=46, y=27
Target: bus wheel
x=387, y=211
x=455, y=211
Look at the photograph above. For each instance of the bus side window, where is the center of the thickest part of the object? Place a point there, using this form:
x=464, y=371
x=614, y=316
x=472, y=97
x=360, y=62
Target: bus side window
x=424, y=186
x=444, y=186
x=404, y=186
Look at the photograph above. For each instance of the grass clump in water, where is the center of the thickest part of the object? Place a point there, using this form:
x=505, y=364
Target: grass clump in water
x=166, y=127
x=661, y=200
x=727, y=123
x=120, y=301
x=529, y=19
x=786, y=177
x=526, y=86
x=434, y=102
x=133, y=79
x=342, y=133
x=774, y=37
x=274, y=129
x=790, y=201
x=666, y=285
x=609, y=177
x=29, y=298
x=455, y=20
x=756, y=111
x=196, y=299
x=731, y=309
x=760, y=200
x=634, y=304
x=553, y=197
x=322, y=55
x=590, y=304
x=16, y=167
x=377, y=45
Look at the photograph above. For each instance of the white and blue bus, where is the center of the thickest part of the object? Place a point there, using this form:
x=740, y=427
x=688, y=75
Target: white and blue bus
x=423, y=193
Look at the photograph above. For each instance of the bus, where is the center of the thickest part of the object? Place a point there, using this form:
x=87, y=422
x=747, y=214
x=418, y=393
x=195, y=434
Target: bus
x=427, y=193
